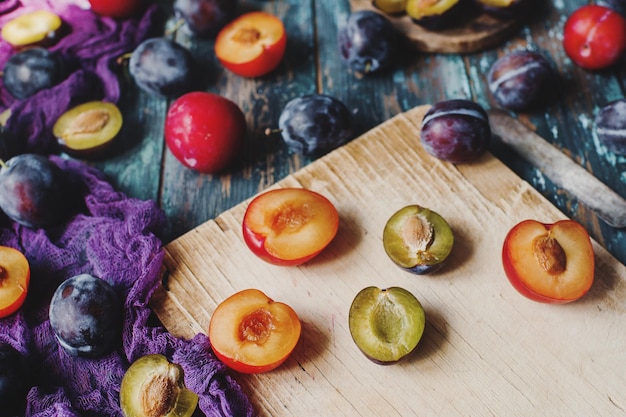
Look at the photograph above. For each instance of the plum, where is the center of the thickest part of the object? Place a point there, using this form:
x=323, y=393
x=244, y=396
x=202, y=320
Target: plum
x=521, y=79
x=35, y=28
x=32, y=70
x=162, y=67
x=436, y=14
x=13, y=381
x=386, y=324
x=86, y=316
x=367, y=42
x=35, y=192
x=456, y=131
x=315, y=124
x=154, y=386
x=418, y=239
x=87, y=130
x=610, y=126
x=205, y=18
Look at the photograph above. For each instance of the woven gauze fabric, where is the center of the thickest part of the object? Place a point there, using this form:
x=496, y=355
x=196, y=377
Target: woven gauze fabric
x=115, y=238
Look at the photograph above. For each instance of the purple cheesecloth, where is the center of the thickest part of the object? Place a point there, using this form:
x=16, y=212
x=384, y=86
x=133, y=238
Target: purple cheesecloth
x=112, y=237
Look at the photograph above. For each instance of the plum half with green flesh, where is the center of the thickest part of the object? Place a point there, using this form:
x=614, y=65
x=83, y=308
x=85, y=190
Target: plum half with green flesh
x=88, y=129
x=386, y=324
x=418, y=239
x=154, y=387
x=36, y=28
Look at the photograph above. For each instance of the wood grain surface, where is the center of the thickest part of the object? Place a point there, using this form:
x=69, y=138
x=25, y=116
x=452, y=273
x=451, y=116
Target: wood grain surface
x=476, y=33
x=486, y=349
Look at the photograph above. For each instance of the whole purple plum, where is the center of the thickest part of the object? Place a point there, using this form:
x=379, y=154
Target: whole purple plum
x=455, y=130
x=521, y=79
x=86, y=316
x=367, y=42
x=205, y=18
x=610, y=125
x=34, y=191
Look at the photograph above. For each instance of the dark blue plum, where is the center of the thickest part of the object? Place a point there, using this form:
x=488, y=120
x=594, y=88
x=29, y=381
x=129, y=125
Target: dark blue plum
x=86, y=316
x=32, y=70
x=205, y=17
x=13, y=381
x=315, y=124
x=521, y=79
x=162, y=67
x=456, y=131
x=610, y=126
x=35, y=192
x=367, y=42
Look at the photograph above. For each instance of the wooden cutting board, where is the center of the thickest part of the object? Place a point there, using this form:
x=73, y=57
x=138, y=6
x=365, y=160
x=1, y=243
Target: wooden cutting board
x=476, y=33
x=486, y=349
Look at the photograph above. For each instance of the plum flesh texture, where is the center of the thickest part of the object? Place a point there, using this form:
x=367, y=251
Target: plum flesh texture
x=35, y=192
x=86, y=316
x=610, y=126
x=32, y=70
x=456, y=131
x=418, y=239
x=386, y=324
x=205, y=17
x=315, y=124
x=162, y=67
x=153, y=386
x=520, y=80
x=367, y=42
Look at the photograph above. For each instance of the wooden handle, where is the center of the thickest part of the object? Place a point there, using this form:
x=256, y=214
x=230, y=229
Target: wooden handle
x=563, y=171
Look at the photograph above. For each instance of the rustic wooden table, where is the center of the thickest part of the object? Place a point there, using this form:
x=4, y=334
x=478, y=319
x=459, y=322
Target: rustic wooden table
x=146, y=169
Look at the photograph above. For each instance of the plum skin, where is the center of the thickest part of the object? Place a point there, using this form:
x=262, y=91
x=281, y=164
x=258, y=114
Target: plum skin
x=205, y=18
x=610, y=126
x=367, y=42
x=86, y=316
x=162, y=67
x=456, y=131
x=315, y=124
x=34, y=191
x=32, y=70
x=520, y=79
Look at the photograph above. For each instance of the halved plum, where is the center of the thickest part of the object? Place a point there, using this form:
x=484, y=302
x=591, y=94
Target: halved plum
x=289, y=226
x=154, y=387
x=418, y=239
x=37, y=28
x=88, y=129
x=252, y=45
x=251, y=333
x=386, y=324
x=549, y=262
x=14, y=280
